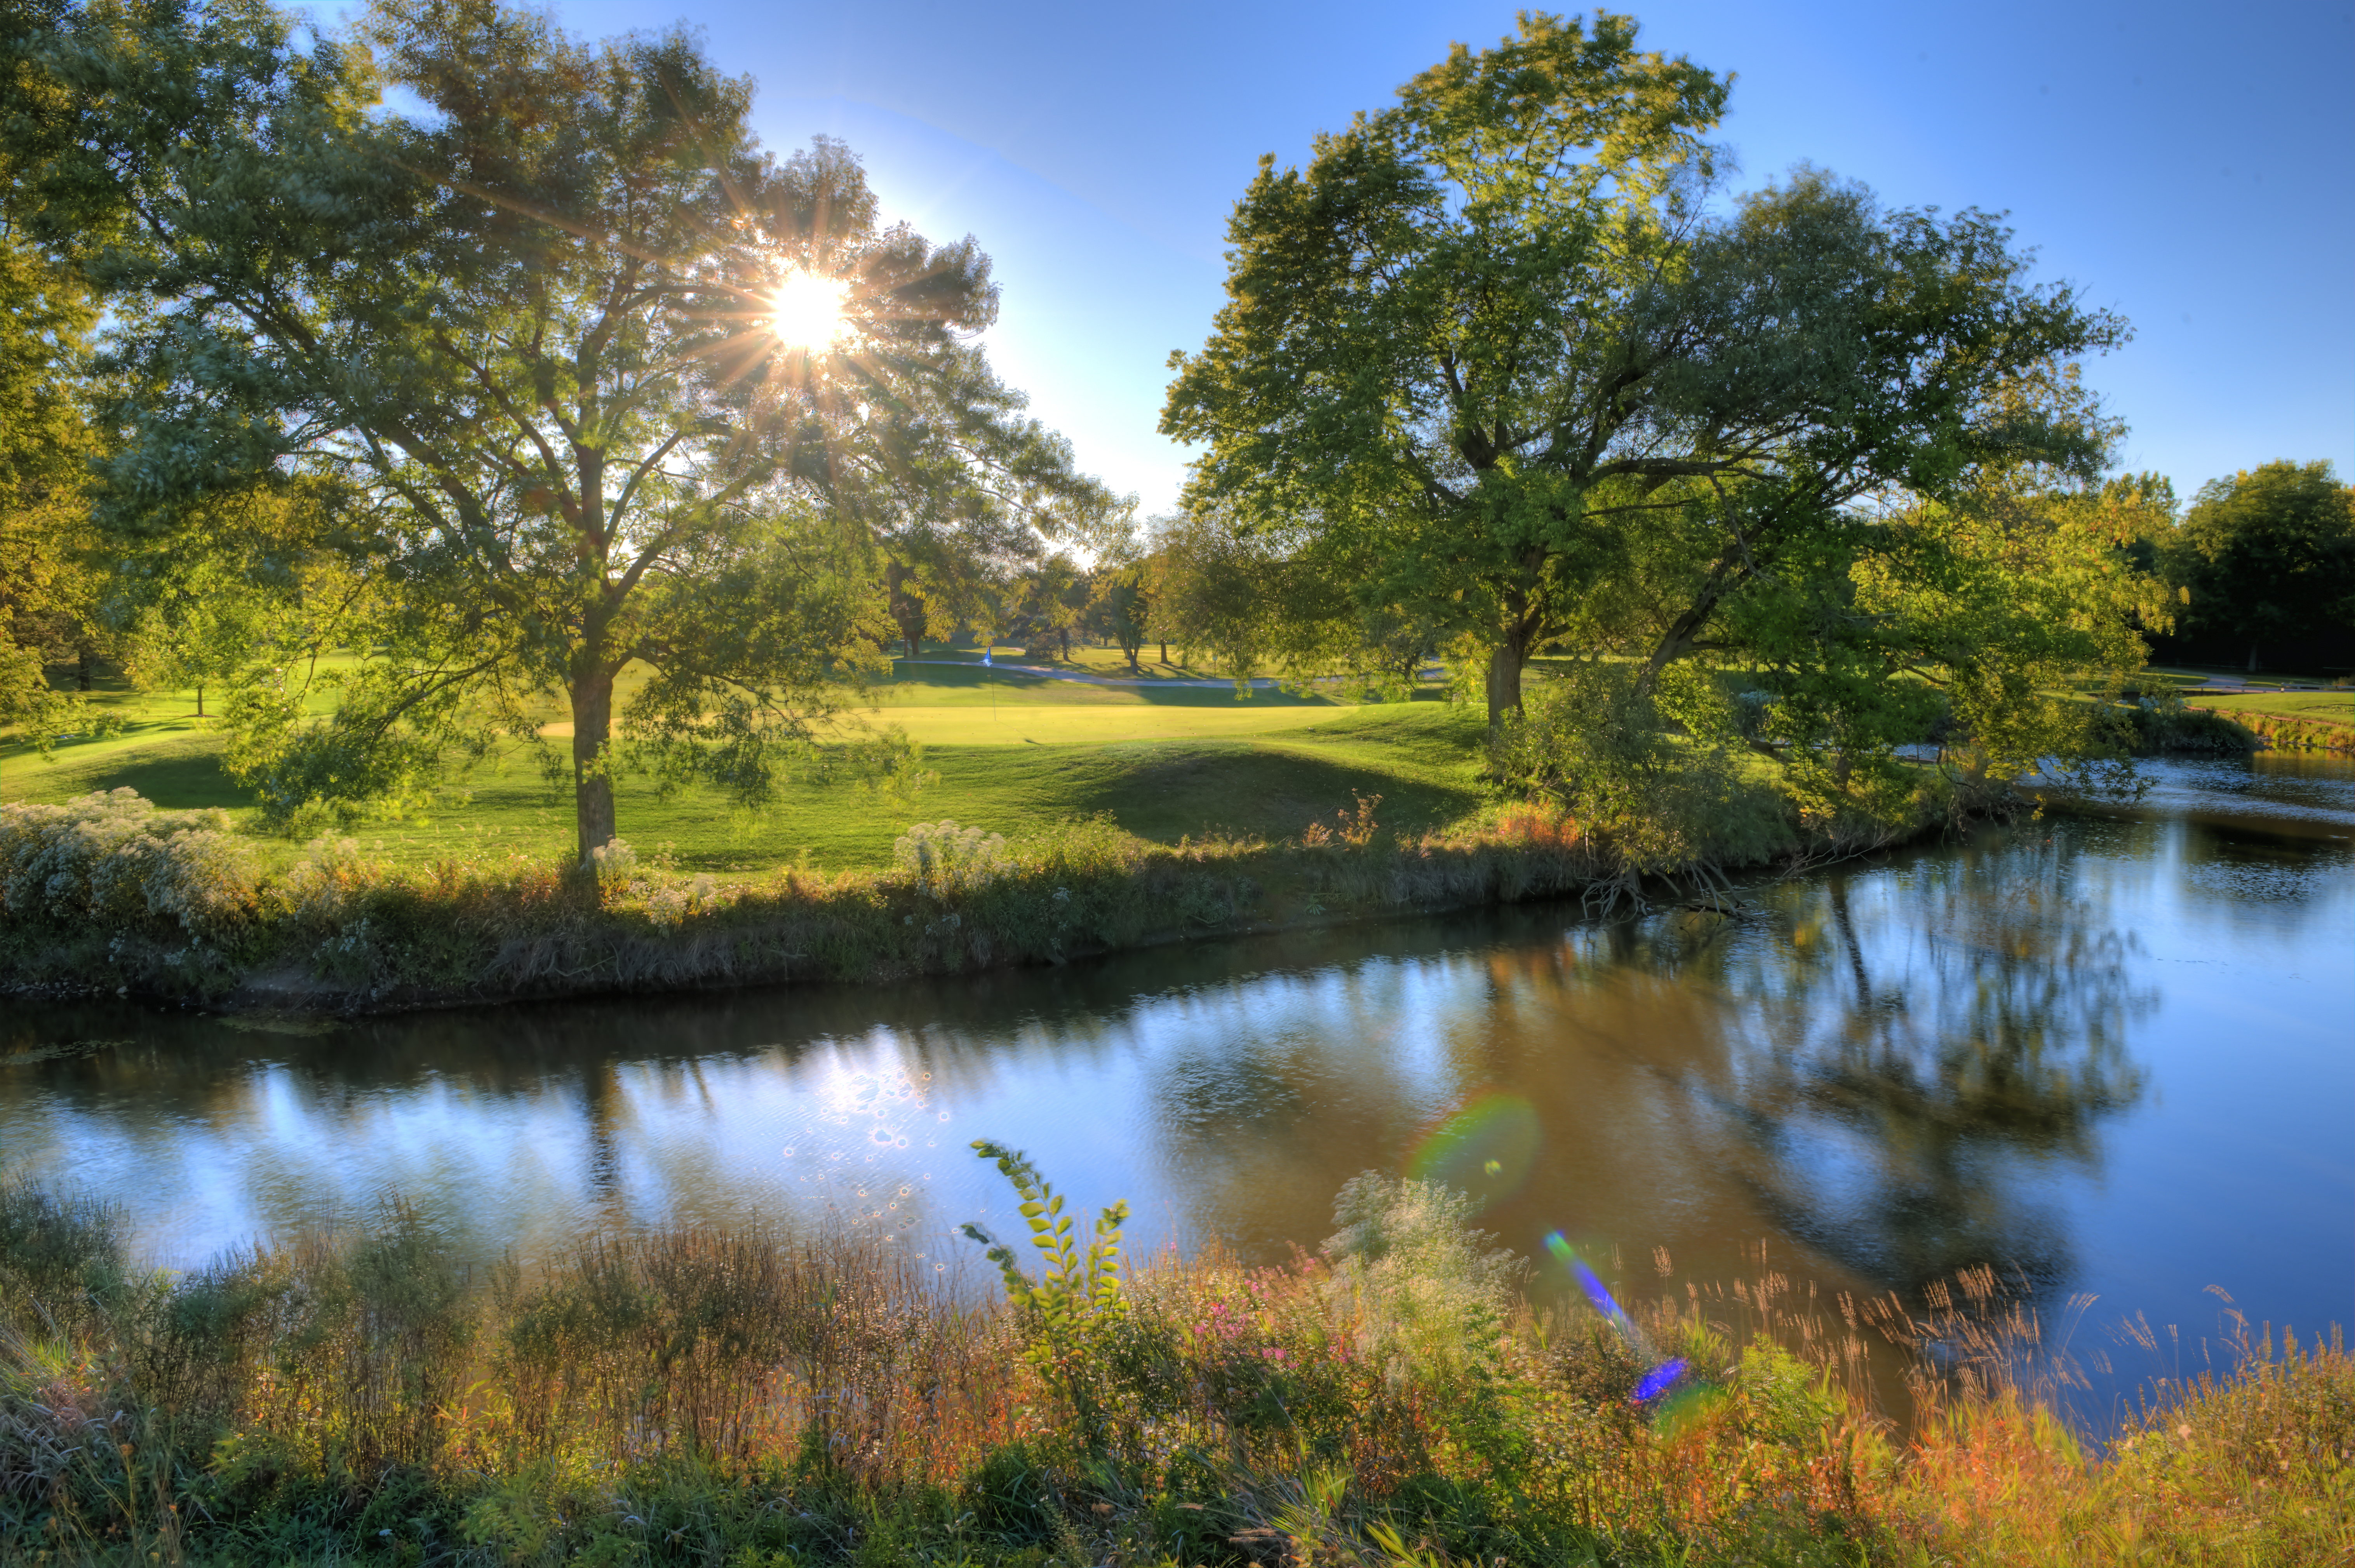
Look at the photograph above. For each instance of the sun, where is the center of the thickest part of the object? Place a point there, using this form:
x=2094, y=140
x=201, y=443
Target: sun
x=806, y=310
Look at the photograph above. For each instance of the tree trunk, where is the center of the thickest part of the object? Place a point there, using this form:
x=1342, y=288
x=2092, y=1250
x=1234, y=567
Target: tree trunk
x=1164, y=652
x=2252, y=657
x=906, y=608
x=1505, y=662
x=592, y=785
x=81, y=670
x=200, y=692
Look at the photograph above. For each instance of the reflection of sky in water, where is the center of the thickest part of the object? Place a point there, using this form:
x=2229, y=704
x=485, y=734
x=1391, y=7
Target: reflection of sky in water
x=2064, y=1048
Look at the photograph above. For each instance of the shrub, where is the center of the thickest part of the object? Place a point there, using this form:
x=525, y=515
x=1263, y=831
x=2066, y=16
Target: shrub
x=111, y=860
x=616, y=865
x=945, y=860
x=2163, y=724
x=1656, y=801
x=1422, y=1294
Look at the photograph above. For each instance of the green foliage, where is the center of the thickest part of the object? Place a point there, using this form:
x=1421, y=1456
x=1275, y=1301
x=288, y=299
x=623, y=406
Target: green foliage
x=1647, y=771
x=1250, y=599
x=48, y=585
x=1075, y=1296
x=1487, y=368
x=1069, y=1312
x=2163, y=724
x=2263, y=563
x=1782, y=1399
x=1975, y=627
x=1120, y=602
x=1418, y=321
x=533, y=335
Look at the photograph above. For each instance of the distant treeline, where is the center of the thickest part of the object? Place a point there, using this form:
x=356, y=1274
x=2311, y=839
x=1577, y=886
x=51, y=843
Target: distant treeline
x=2262, y=568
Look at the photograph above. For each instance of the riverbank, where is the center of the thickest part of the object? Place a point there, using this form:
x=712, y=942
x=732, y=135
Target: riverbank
x=2206, y=723
x=108, y=895
x=2290, y=732
x=1405, y=1397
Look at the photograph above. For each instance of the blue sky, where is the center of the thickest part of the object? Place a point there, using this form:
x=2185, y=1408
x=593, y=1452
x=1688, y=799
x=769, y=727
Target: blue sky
x=2190, y=168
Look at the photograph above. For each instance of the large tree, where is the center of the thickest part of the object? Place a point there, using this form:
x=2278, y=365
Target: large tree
x=1491, y=353
x=603, y=382
x=49, y=588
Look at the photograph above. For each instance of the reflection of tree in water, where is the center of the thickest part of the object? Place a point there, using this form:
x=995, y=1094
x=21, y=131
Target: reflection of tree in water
x=1916, y=1065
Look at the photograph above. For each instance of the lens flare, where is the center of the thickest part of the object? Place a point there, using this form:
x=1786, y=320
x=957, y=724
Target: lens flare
x=806, y=310
x=1662, y=1376
x=1485, y=1149
x=1657, y=1381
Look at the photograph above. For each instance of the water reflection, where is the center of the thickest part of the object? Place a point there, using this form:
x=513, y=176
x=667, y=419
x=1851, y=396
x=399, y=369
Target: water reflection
x=1917, y=1088
x=1889, y=1070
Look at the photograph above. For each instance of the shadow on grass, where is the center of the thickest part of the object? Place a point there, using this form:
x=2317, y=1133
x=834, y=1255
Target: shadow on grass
x=180, y=771
x=1159, y=790
x=1163, y=792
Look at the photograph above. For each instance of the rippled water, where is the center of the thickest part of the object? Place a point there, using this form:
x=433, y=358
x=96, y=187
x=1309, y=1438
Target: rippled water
x=2112, y=1053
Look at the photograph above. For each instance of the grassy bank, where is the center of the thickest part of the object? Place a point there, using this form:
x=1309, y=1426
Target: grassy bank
x=1132, y=815
x=1407, y=1396
x=2298, y=718
x=2320, y=725
x=107, y=893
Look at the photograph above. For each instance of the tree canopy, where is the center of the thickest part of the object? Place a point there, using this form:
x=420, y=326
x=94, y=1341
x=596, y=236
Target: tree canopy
x=597, y=380
x=48, y=589
x=2265, y=564
x=1502, y=362
x=1492, y=349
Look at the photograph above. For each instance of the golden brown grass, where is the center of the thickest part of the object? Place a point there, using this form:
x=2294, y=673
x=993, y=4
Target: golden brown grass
x=754, y=1397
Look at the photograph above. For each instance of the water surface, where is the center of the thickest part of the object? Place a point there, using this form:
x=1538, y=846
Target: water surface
x=2110, y=1053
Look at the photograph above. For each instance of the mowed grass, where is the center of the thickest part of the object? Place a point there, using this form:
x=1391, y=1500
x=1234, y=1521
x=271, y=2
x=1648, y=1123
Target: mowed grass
x=1012, y=754
x=2323, y=707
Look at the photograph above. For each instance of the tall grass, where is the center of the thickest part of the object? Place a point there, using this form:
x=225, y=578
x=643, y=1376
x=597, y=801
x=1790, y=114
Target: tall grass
x=1401, y=1397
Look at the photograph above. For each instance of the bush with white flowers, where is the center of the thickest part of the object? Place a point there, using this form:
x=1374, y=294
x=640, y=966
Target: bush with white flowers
x=112, y=858
x=945, y=859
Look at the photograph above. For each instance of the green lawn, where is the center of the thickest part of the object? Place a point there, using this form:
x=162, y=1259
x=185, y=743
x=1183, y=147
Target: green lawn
x=1013, y=752
x=2328, y=707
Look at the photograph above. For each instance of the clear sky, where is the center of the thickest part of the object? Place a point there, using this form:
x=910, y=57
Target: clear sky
x=2190, y=168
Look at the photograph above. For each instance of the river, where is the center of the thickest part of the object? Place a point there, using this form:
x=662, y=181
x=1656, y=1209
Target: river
x=2111, y=1052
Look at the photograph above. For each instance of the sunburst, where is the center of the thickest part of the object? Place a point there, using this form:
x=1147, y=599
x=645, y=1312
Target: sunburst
x=806, y=310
